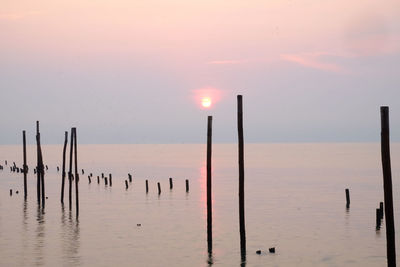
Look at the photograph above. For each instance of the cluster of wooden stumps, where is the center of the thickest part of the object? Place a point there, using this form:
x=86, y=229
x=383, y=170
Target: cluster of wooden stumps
x=40, y=169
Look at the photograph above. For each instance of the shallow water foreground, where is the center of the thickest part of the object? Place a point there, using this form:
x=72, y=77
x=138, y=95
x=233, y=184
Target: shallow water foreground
x=294, y=193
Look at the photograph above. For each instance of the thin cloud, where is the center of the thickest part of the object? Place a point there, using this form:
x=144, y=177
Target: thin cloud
x=313, y=60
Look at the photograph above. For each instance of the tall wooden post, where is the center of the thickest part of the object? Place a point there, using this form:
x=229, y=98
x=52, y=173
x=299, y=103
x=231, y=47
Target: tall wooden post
x=209, y=184
x=76, y=172
x=70, y=170
x=241, y=178
x=387, y=187
x=25, y=166
x=63, y=167
x=38, y=163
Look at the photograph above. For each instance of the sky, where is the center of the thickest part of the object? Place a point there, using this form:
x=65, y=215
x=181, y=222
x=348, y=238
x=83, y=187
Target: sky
x=128, y=71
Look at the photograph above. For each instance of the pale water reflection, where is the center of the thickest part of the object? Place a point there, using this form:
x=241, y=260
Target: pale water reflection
x=295, y=201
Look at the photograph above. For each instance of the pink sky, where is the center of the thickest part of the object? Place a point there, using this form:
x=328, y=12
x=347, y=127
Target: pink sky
x=179, y=47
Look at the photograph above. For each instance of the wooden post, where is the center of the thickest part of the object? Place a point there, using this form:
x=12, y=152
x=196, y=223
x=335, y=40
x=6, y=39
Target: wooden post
x=70, y=169
x=98, y=179
x=209, y=184
x=90, y=180
x=378, y=219
x=25, y=166
x=347, y=198
x=63, y=167
x=37, y=166
x=159, y=188
x=381, y=209
x=241, y=178
x=76, y=172
x=126, y=184
x=110, y=179
x=147, y=186
x=105, y=181
x=170, y=183
x=387, y=187
x=130, y=177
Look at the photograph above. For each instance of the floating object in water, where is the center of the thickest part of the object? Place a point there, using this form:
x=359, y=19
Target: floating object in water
x=272, y=250
x=258, y=252
x=16, y=192
x=139, y=224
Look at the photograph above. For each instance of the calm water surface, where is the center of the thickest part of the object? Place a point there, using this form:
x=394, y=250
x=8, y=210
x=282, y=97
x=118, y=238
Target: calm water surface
x=294, y=197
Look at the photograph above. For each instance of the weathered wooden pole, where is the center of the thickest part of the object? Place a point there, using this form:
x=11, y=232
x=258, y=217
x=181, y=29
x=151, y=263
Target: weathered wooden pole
x=76, y=172
x=209, y=184
x=241, y=178
x=41, y=170
x=387, y=187
x=381, y=209
x=159, y=188
x=98, y=179
x=70, y=170
x=126, y=184
x=63, y=167
x=38, y=162
x=105, y=180
x=90, y=180
x=347, y=198
x=187, y=186
x=170, y=183
x=110, y=179
x=147, y=186
x=25, y=166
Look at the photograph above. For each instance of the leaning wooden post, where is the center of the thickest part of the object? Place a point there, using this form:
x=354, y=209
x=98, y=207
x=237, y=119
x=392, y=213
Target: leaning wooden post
x=159, y=188
x=209, y=185
x=70, y=170
x=76, y=172
x=126, y=184
x=347, y=198
x=241, y=178
x=147, y=186
x=387, y=187
x=63, y=167
x=25, y=166
x=40, y=170
x=38, y=162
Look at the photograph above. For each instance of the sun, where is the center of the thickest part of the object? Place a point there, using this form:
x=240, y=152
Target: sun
x=206, y=102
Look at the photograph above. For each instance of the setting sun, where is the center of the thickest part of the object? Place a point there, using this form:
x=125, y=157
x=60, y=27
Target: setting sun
x=206, y=102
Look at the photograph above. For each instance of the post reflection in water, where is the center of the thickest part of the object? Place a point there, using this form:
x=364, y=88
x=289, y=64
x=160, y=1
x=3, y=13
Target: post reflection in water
x=40, y=237
x=204, y=199
x=70, y=236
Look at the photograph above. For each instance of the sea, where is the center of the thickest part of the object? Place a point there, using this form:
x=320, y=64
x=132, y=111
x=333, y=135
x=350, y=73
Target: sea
x=295, y=202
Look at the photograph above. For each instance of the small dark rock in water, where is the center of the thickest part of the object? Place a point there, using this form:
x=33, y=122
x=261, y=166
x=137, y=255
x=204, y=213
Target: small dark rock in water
x=258, y=251
x=272, y=250
x=16, y=192
x=139, y=224
x=47, y=197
